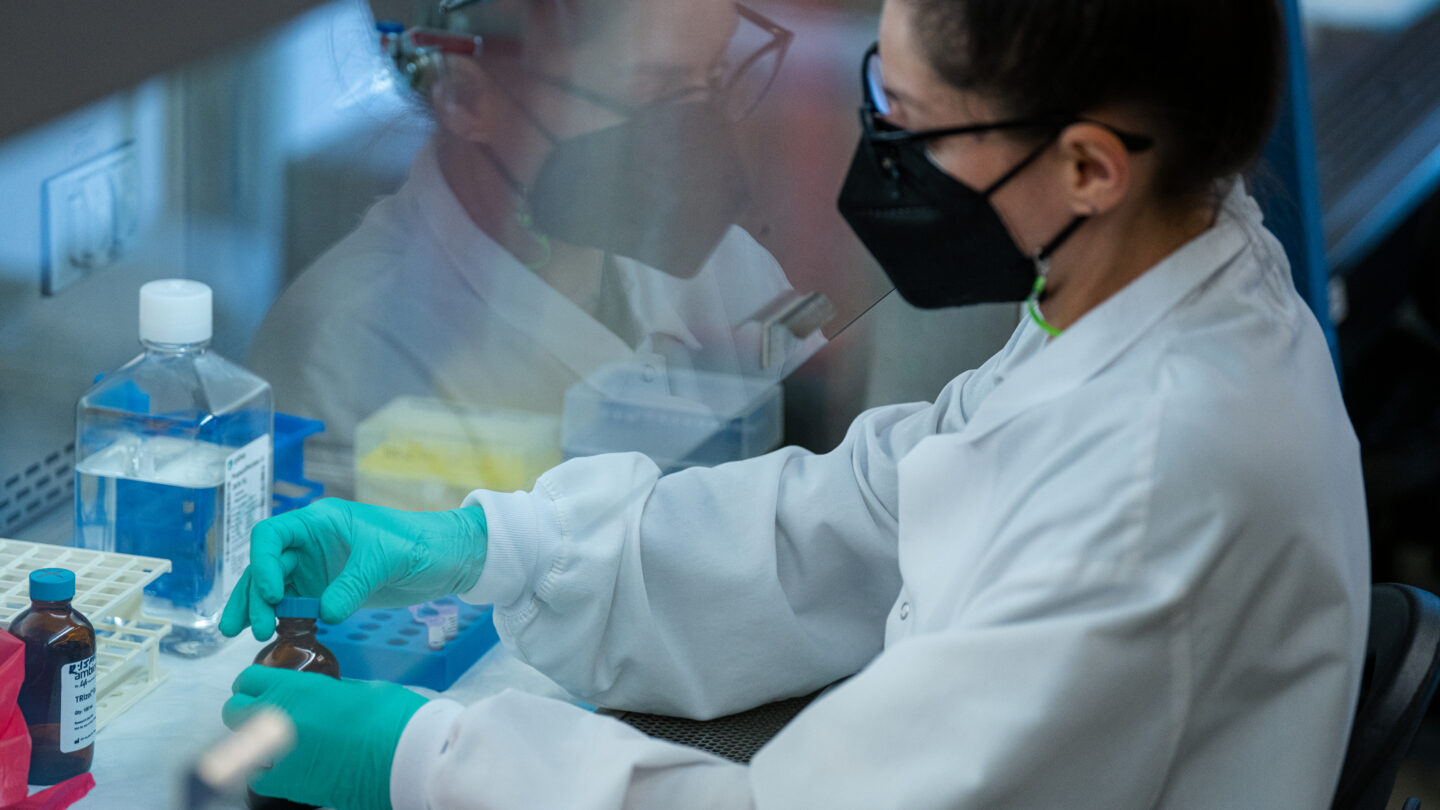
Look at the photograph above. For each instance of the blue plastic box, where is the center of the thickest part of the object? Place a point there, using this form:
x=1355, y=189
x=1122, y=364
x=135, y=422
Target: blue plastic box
x=390, y=645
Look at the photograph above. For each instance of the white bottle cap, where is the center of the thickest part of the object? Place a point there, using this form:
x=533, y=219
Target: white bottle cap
x=175, y=310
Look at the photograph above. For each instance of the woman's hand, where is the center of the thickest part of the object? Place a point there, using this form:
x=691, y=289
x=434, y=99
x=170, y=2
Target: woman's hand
x=355, y=555
x=346, y=733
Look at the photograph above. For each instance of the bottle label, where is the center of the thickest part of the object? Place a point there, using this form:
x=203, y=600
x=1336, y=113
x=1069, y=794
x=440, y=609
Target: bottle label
x=77, y=705
x=248, y=474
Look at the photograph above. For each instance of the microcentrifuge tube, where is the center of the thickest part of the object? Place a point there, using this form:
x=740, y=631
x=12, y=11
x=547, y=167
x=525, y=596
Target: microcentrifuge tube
x=451, y=614
x=435, y=631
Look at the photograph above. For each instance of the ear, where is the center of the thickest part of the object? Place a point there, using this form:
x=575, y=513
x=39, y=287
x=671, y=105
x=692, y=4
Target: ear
x=463, y=102
x=1098, y=168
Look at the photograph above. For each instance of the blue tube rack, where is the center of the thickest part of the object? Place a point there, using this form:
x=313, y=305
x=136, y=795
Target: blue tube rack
x=390, y=645
x=292, y=489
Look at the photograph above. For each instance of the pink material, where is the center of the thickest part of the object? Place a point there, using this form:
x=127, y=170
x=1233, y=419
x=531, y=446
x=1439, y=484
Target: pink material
x=14, y=735
x=57, y=797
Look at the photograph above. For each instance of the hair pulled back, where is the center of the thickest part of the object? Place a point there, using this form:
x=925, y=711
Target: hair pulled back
x=1205, y=74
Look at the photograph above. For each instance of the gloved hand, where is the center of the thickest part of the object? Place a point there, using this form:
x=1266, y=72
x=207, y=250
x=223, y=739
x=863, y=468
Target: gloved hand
x=346, y=733
x=353, y=555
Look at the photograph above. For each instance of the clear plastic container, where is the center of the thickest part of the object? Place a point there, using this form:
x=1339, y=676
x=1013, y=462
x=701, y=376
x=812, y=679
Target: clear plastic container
x=418, y=453
x=175, y=460
x=678, y=417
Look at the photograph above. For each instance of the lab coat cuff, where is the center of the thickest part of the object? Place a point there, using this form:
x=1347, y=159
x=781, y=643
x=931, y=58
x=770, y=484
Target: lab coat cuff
x=423, y=741
x=524, y=536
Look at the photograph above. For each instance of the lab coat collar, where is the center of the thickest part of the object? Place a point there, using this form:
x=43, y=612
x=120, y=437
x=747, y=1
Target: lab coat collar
x=1135, y=313
x=652, y=295
x=512, y=291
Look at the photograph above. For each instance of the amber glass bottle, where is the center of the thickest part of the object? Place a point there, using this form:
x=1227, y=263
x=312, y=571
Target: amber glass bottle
x=295, y=647
x=58, y=695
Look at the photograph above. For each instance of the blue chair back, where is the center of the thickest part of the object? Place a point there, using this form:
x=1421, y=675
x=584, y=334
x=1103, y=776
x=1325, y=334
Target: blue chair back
x=1289, y=183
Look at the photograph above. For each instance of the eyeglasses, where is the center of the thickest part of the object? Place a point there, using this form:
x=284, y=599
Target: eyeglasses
x=738, y=81
x=747, y=70
x=878, y=130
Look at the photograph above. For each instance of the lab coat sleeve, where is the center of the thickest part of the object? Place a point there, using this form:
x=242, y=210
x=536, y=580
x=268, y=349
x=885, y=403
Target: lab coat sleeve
x=1054, y=694
x=1060, y=693
x=707, y=591
x=517, y=750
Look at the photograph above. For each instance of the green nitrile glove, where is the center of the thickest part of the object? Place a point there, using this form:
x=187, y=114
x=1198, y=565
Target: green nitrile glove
x=346, y=733
x=354, y=555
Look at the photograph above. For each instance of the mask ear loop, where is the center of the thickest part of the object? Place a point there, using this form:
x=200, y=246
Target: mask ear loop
x=1042, y=270
x=522, y=211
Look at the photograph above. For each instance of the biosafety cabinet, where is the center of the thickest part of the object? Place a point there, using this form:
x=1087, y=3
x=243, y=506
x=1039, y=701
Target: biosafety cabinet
x=236, y=144
x=239, y=143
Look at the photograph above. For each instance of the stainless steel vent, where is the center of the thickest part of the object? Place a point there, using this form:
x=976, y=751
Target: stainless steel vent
x=43, y=484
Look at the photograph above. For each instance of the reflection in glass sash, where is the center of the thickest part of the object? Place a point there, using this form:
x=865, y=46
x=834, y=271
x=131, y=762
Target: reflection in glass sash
x=570, y=243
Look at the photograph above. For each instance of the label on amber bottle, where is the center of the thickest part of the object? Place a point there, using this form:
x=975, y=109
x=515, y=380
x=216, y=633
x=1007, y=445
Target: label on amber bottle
x=77, y=705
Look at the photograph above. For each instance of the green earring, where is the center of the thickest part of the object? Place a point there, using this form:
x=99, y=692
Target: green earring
x=526, y=222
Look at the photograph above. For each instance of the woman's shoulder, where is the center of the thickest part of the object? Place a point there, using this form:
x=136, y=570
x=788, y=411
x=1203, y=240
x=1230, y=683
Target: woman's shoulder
x=1251, y=405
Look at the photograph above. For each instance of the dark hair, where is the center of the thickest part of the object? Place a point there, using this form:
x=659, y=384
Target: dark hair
x=1206, y=74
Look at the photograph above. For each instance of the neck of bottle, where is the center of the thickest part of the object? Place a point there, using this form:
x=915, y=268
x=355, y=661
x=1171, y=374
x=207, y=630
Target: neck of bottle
x=45, y=604
x=175, y=349
x=291, y=627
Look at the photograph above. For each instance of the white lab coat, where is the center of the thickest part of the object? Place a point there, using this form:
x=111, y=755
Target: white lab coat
x=1127, y=568
x=419, y=301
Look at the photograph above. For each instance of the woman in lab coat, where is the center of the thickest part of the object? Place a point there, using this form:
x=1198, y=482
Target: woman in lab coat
x=1123, y=564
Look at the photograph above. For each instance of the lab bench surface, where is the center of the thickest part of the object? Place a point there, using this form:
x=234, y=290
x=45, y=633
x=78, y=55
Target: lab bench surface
x=142, y=756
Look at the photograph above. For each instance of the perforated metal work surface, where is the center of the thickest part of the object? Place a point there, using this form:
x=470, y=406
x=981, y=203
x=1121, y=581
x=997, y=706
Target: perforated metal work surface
x=736, y=737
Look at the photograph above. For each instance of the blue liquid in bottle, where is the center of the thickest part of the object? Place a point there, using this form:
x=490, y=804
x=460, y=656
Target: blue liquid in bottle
x=174, y=461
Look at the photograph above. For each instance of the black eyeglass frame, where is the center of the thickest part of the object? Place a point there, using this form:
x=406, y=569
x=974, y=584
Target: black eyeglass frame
x=879, y=132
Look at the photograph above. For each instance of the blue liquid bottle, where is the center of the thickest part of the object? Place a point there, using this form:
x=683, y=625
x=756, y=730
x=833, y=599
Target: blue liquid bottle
x=174, y=460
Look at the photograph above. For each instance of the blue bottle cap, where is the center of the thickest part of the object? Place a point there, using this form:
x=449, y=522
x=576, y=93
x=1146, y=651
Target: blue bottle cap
x=298, y=607
x=389, y=27
x=52, y=585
